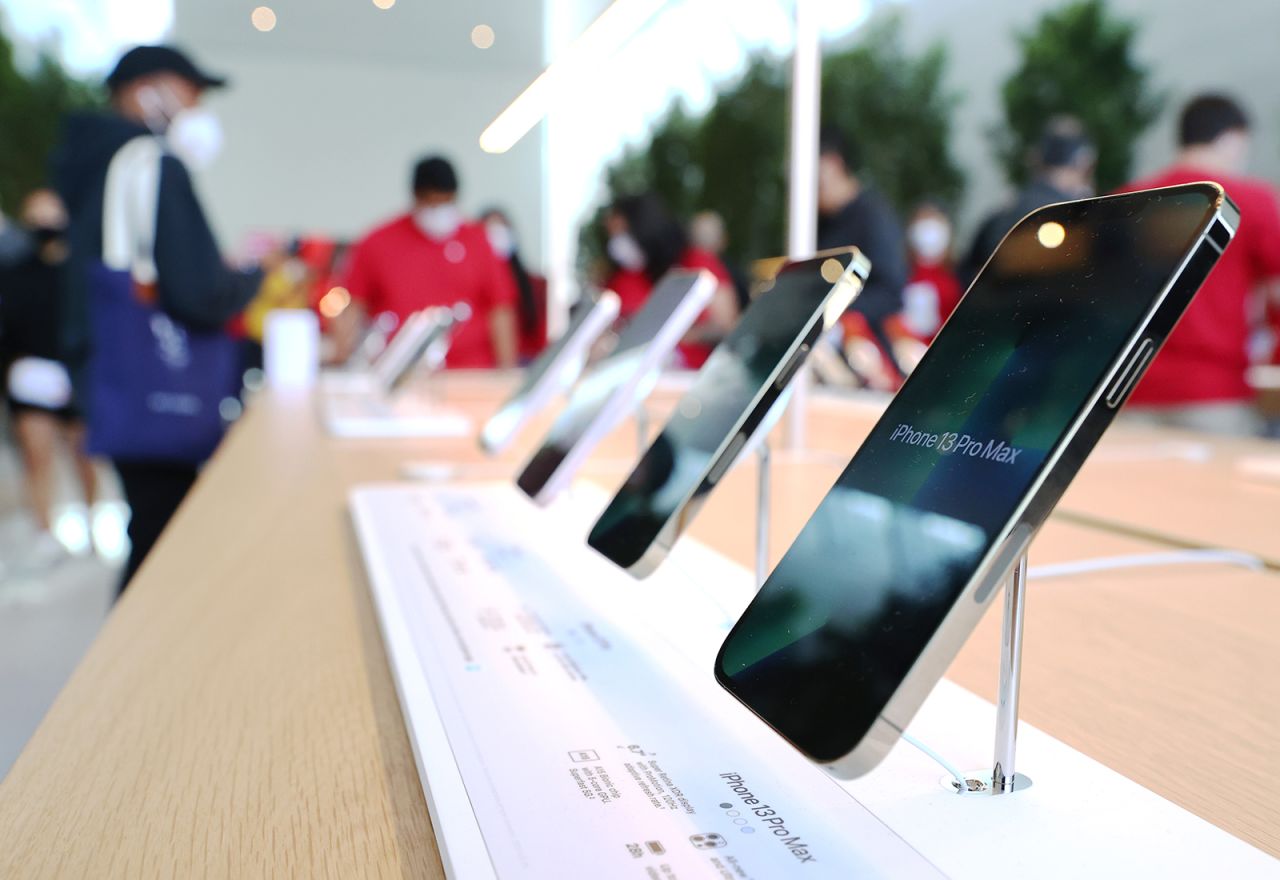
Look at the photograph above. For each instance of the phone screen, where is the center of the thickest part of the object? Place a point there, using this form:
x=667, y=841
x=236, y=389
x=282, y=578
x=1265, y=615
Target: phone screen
x=855, y=600
x=783, y=317
x=436, y=339
x=501, y=423
x=607, y=376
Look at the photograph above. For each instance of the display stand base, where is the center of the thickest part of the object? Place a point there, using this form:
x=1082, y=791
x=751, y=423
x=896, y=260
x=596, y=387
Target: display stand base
x=1079, y=819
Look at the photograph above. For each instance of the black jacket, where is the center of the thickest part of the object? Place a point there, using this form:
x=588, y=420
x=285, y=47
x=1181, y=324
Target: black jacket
x=1034, y=195
x=870, y=222
x=193, y=284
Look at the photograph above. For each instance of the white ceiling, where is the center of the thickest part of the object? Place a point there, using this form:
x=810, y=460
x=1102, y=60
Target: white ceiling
x=428, y=34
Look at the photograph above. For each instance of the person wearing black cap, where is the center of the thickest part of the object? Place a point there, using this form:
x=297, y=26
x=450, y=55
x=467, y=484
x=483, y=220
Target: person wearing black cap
x=431, y=256
x=169, y=250
x=1064, y=163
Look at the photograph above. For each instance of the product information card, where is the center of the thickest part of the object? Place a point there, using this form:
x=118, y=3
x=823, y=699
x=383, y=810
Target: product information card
x=590, y=746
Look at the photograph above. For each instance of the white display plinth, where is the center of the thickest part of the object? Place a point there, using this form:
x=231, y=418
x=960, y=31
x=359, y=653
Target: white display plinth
x=373, y=417
x=1079, y=819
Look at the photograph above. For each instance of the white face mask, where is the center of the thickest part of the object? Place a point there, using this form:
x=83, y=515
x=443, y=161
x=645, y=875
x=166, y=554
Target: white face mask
x=930, y=237
x=195, y=137
x=439, y=221
x=625, y=251
x=501, y=239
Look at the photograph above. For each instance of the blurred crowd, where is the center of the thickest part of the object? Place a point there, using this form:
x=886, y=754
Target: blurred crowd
x=111, y=279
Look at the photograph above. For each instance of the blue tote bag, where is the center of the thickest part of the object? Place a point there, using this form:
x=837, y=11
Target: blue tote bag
x=155, y=385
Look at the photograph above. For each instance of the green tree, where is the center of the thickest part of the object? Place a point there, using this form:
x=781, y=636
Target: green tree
x=32, y=104
x=734, y=158
x=897, y=111
x=1078, y=60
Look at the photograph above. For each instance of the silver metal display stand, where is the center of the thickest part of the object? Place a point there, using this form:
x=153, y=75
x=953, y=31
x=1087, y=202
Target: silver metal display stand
x=1003, y=777
x=642, y=430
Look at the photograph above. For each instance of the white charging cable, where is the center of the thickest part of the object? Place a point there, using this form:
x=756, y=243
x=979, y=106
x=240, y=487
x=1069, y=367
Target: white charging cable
x=962, y=784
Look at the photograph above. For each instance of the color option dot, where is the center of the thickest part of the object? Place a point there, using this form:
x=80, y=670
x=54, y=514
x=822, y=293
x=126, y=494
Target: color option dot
x=739, y=821
x=733, y=813
x=747, y=830
x=726, y=806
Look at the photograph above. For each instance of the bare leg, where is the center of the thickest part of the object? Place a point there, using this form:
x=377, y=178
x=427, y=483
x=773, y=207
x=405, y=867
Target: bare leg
x=86, y=473
x=37, y=432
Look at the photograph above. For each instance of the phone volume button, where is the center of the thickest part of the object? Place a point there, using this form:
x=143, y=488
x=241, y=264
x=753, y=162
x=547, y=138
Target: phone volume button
x=730, y=453
x=1129, y=374
x=790, y=369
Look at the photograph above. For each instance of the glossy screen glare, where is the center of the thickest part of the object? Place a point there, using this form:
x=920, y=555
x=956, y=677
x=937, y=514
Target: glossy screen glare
x=854, y=602
x=709, y=423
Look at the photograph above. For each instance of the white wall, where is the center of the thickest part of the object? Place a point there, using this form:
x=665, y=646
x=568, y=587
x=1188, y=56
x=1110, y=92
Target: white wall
x=324, y=141
x=1190, y=46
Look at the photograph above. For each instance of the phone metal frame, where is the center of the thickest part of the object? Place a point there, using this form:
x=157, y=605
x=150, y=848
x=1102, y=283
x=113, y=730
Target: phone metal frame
x=1041, y=497
x=565, y=366
x=757, y=413
x=438, y=323
x=634, y=388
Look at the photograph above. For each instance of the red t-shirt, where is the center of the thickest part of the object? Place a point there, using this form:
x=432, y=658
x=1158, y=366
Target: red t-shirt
x=397, y=268
x=633, y=288
x=1205, y=357
x=944, y=290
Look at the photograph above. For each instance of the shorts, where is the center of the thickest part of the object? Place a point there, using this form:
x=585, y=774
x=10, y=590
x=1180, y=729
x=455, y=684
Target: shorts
x=67, y=414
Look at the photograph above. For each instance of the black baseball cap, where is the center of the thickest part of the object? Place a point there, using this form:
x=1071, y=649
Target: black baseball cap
x=145, y=60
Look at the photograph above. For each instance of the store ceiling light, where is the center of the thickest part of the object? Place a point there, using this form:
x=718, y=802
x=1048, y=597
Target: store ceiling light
x=263, y=18
x=384, y=4
x=593, y=49
x=482, y=36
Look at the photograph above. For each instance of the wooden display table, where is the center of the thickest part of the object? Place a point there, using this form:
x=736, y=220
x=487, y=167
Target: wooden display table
x=236, y=716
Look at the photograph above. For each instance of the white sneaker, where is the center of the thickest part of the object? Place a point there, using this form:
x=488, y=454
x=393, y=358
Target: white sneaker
x=45, y=551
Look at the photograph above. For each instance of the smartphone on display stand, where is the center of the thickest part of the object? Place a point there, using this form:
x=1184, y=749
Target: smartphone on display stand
x=883, y=585
x=728, y=403
x=617, y=383
x=552, y=372
x=431, y=342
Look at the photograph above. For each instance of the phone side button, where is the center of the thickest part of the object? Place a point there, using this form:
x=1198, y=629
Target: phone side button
x=1127, y=376
x=730, y=453
x=790, y=369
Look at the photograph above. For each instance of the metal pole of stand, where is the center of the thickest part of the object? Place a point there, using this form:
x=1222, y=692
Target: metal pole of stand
x=1004, y=776
x=764, y=486
x=642, y=430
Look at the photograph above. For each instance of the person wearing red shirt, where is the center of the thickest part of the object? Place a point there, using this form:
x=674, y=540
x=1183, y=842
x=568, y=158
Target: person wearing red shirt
x=1198, y=379
x=531, y=305
x=644, y=243
x=932, y=292
x=432, y=257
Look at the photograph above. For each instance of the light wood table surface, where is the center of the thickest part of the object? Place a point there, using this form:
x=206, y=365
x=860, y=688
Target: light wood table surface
x=236, y=717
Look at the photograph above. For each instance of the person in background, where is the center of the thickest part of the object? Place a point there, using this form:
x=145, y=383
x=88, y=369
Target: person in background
x=531, y=289
x=851, y=211
x=1198, y=381
x=287, y=286
x=932, y=290
x=1063, y=169
x=13, y=241
x=41, y=401
x=707, y=233
x=432, y=256
x=154, y=91
x=643, y=243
